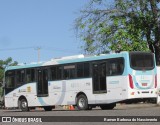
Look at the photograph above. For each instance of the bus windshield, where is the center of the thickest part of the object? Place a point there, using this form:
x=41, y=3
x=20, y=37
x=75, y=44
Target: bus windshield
x=141, y=61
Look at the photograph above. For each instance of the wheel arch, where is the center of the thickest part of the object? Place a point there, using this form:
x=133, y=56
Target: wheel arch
x=80, y=93
x=20, y=98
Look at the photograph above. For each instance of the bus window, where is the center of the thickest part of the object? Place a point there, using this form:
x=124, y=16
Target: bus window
x=72, y=73
x=20, y=79
x=83, y=70
x=141, y=61
x=80, y=70
x=30, y=75
x=56, y=73
x=53, y=73
x=115, y=66
x=10, y=79
x=86, y=70
x=69, y=72
x=59, y=73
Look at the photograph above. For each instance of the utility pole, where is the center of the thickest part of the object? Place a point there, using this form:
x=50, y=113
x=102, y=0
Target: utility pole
x=38, y=50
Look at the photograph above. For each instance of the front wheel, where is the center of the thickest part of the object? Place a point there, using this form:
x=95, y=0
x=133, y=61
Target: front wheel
x=23, y=105
x=82, y=102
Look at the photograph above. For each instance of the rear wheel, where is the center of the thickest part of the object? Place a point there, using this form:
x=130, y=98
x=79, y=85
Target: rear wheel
x=107, y=106
x=82, y=102
x=23, y=105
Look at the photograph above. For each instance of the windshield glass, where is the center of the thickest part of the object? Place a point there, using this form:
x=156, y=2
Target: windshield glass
x=141, y=60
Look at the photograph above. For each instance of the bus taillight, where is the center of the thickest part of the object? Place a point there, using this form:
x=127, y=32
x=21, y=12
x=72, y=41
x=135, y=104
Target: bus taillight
x=131, y=81
x=156, y=81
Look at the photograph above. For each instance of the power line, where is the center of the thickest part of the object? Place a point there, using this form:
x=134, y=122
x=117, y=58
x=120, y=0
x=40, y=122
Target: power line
x=38, y=49
x=44, y=48
x=20, y=48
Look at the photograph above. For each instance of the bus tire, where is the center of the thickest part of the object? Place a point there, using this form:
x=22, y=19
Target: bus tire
x=23, y=105
x=48, y=108
x=107, y=106
x=82, y=102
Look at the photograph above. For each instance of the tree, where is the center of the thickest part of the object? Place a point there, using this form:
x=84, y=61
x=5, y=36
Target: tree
x=4, y=64
x=126, y=25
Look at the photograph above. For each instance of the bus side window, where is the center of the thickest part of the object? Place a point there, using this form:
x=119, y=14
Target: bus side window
x=107, y=68
x=115, y=66
x=59, y=73
x=69, y=72
x=53, y=73
x=72, y=73
x=86, y=70
x=114, y=70
x=83, y=70
x=10, y=79
x=30, y=75
x=66, y=73
x=20, y=77
x=80, y=70
x=56, y=73
x=121, y=66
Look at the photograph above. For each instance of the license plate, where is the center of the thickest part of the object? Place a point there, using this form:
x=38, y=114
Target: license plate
x=144, y=84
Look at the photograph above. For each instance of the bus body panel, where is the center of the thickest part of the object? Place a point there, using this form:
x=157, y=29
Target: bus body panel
x=158, y=77
x=158, y=84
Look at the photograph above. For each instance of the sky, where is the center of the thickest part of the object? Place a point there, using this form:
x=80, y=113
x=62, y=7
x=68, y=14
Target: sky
x=26, y=25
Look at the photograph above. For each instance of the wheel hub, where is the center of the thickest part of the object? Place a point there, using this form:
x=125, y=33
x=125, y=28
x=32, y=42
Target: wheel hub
x=24, y=104
x=81, y=102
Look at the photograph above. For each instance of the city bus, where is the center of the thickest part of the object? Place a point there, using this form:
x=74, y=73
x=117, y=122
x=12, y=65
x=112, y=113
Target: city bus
x=82, y=81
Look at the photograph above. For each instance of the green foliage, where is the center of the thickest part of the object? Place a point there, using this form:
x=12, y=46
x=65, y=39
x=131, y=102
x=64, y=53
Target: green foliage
x=126, y=25
x=4, y=64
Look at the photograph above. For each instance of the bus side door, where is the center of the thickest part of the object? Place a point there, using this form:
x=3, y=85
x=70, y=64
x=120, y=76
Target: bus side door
x=42, y=82
x=99, y=77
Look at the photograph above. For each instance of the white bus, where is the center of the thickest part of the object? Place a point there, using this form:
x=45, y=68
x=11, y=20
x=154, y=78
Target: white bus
x=82, y=81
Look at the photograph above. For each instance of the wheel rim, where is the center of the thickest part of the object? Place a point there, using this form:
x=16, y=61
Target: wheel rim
x=81, y=102
x=24, y=104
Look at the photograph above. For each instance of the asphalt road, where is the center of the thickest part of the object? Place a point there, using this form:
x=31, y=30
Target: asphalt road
x=120, y=110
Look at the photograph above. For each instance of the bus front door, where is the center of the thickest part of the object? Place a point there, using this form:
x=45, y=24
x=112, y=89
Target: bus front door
x=42, y=82
x=99, y=77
